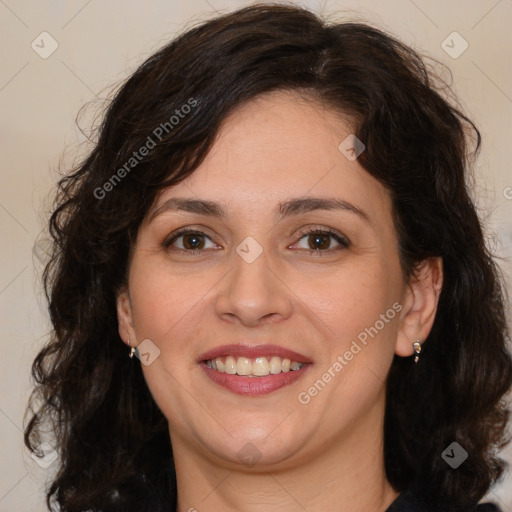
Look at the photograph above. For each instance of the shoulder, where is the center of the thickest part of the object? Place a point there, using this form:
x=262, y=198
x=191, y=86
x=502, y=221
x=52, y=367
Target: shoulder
x=418, y=499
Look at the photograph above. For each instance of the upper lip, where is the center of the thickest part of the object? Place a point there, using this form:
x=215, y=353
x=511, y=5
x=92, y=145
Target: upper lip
x=252, y=351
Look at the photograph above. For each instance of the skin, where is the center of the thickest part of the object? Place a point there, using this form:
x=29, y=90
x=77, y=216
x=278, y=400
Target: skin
x=323, y=455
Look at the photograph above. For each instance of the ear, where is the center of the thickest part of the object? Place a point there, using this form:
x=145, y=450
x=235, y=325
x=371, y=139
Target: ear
x=125, y=317
x=420, y=305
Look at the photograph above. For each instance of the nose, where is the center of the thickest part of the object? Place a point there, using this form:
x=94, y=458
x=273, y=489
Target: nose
x=253, y=293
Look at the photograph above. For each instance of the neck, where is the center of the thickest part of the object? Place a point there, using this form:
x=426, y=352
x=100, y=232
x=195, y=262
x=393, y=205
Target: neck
x=347, y=475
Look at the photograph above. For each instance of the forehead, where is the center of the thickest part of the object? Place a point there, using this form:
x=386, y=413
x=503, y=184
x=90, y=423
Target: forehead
x=278, y=145
x=284, y=123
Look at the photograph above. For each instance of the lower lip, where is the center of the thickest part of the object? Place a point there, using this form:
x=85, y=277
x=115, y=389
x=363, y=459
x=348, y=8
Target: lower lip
x=254, y=385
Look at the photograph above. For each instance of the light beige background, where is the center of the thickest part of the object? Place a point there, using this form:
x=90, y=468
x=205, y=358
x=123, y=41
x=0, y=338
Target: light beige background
x=100, y=43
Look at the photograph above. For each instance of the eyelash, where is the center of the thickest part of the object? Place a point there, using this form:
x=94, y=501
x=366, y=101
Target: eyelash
x=342, y=240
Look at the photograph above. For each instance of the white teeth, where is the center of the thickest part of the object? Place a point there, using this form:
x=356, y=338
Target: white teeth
x=230, y=365
x=258, y=367
x=243, y=366
x=275, y=365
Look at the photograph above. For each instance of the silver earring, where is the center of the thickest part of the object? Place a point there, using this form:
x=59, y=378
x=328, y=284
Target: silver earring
x=417, y=350
x=132, y=349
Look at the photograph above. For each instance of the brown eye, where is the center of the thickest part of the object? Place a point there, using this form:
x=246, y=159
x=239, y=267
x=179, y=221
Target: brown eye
x=321, y=241
x=193, y=241
x=187, y=240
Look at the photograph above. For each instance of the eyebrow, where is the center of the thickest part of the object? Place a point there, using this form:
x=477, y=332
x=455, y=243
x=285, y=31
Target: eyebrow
x=288, y=208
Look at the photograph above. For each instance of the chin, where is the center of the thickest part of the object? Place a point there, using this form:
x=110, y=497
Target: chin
x=256, y=443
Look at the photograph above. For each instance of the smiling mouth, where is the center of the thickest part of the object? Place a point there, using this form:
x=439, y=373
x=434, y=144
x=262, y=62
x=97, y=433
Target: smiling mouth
x=253, y=367
x=247, y=369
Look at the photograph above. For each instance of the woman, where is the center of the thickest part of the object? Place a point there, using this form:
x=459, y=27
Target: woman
x=275, y=221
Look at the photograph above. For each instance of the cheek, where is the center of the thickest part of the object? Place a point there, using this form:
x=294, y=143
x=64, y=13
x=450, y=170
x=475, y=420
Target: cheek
x=357, y=308
x=167, y=309
x=347, y=300
x=165, y=302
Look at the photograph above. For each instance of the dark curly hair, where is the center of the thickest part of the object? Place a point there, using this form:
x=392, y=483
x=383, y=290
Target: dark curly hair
x=112, y=438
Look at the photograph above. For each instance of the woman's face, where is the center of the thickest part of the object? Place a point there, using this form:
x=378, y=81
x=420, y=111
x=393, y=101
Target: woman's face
x=251, y=289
